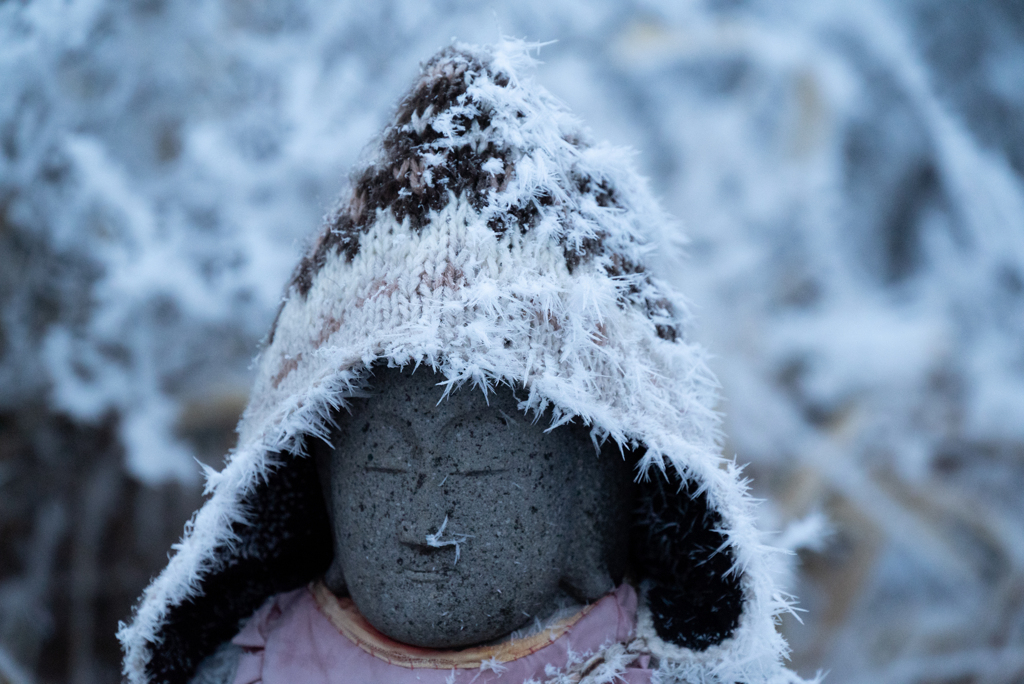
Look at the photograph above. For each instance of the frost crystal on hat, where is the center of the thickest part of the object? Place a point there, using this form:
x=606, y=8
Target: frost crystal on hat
x=487, y=237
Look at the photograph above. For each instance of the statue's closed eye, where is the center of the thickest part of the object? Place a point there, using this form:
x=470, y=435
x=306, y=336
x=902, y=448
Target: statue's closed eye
x=383, y=469
x=466, y=473
x=482, y=471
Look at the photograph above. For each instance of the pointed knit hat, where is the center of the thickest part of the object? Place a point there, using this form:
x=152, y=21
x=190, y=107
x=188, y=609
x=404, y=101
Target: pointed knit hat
x=486, y=237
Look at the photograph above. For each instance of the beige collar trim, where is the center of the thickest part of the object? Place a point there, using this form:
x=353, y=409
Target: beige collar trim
x=347, y=619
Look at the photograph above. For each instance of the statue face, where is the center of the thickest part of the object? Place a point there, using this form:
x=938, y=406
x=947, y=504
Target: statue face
x=456, y=522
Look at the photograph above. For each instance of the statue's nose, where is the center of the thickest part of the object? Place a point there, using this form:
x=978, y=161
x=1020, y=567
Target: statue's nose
x=424, y=512
x=414, y=533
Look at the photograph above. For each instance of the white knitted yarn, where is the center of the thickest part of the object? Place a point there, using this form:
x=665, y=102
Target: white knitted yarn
x=586, y=337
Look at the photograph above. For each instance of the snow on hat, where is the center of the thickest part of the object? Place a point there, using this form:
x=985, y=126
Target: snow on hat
x=488, y=238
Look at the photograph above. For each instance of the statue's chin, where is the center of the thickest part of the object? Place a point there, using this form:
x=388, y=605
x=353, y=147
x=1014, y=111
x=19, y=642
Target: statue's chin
x=445, y=609
x=439, y=615
x=446, y=626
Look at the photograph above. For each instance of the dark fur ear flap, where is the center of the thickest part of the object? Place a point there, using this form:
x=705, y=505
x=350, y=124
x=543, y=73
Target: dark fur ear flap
x=285, y=545
x=694, y=595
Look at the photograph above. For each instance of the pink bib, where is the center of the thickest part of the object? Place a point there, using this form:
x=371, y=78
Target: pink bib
x=293, y=640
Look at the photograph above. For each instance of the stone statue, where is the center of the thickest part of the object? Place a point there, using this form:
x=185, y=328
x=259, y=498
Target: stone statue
x=456, y=521
x=481, y=445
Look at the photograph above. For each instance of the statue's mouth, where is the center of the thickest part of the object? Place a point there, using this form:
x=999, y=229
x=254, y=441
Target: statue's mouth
x=431, y=575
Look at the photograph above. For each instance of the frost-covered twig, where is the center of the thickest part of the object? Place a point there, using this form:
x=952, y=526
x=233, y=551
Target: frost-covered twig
x=435, y=540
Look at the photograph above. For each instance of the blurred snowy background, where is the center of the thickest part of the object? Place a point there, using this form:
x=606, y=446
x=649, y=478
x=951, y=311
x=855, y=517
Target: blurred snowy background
x=851, y=175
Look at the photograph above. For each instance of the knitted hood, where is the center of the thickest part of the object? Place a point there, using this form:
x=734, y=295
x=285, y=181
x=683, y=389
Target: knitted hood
x=487, y=237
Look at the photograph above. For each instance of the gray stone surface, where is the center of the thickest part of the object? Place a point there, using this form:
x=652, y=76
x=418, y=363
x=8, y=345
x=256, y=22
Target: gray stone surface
x=528, y=512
